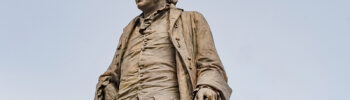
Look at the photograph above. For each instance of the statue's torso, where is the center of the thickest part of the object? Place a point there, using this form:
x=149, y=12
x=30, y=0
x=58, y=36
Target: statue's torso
x=148, y=69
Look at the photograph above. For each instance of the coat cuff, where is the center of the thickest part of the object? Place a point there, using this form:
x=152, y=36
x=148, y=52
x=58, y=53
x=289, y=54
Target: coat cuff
x=205, y=86
x=215, y=80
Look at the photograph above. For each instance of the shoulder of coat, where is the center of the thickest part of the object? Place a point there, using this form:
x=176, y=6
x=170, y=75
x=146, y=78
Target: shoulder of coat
x=193, y=13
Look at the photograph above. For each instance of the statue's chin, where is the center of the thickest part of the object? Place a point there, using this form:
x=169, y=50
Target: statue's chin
x=142, y=6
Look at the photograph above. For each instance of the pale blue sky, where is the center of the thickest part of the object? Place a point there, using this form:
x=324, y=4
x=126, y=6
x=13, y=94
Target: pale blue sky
x=271, y=49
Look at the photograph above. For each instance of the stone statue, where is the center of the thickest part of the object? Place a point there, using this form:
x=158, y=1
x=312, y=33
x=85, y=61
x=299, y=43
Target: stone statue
x=165, y=53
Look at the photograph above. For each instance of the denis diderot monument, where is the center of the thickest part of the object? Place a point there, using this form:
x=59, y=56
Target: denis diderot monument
x=165, y=53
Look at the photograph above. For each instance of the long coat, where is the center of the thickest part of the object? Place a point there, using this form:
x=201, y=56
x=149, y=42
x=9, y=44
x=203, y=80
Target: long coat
x=197, y=61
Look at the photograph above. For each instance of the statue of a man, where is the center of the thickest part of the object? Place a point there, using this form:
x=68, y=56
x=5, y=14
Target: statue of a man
x=165, y=54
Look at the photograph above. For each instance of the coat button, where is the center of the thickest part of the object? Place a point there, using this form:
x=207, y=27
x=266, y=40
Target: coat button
x=141, y=75
x=189, y=58
x=176, y=26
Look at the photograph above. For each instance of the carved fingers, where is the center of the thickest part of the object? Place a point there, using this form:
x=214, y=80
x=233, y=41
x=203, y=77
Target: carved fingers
x=206, y=94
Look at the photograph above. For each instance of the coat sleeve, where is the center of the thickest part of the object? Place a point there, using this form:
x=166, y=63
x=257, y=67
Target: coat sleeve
x=210, y=71
x=107, y=86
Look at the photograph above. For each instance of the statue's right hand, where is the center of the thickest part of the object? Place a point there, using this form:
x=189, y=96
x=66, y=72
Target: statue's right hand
x=206, y=94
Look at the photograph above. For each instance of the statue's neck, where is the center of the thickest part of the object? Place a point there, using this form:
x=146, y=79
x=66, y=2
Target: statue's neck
x=151, y=10
x=148, y=13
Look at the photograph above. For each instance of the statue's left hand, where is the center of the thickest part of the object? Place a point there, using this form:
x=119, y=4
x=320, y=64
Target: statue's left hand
x=206, y=94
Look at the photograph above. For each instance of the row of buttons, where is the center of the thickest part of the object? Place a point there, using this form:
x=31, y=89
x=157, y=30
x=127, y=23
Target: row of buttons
x=141, y=65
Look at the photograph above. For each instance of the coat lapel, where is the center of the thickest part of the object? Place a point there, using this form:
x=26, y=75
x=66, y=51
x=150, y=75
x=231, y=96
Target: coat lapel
x=182, y=56
x=127, y=31
x=123, y=43
x=176, y=37
x=173, y=17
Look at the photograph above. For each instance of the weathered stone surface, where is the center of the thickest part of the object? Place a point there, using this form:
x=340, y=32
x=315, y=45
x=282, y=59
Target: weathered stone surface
x=165, y=53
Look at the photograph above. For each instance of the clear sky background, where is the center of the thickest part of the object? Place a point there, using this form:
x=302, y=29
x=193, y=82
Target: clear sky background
x=271, y=49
